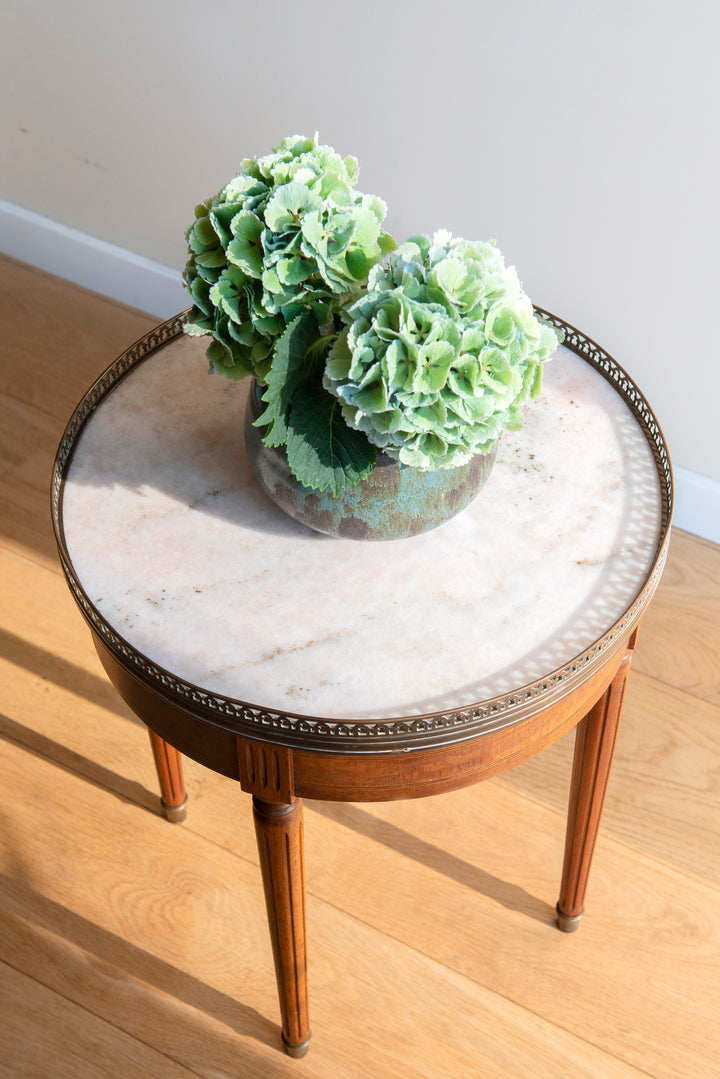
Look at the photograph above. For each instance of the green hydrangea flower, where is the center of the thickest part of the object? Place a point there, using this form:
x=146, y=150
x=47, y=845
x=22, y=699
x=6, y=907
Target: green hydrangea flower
x=289, y=233
x=439, y=353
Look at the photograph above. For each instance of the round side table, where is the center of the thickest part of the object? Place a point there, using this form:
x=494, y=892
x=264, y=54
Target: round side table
x=305, y=666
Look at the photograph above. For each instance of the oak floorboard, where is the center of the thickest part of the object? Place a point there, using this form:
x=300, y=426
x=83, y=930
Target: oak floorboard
x=638, y=978
x=57, y=339
x=68, y=1042
x=679, y=642
x=54, y=695
x=150, y=927
x=477, y=901
x=664, y=792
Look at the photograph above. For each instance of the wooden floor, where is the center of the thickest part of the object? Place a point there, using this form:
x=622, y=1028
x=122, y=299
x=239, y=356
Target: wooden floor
x=131, y=947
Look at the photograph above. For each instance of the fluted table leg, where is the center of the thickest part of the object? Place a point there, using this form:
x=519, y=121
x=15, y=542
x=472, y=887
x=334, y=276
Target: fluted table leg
x=168, y=764
x=279, y=830
x=594, y=750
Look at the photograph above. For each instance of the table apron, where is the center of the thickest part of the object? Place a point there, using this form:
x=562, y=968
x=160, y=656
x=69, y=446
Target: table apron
x=279, y=773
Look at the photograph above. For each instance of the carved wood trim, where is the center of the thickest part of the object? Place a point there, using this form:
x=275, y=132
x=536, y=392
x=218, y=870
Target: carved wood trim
x=266, y=771
x=168, y=765
x=279, y=830
x=595, y=741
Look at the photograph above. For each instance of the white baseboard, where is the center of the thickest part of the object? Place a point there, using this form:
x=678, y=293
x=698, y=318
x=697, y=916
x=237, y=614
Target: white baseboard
x=697, y=504
x=132, y=279
x=112, y=271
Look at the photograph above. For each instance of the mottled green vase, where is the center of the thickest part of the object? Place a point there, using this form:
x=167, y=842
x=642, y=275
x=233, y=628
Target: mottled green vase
x=394, y=502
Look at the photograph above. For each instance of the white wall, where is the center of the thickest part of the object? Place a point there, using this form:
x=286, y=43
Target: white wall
x=582, y=136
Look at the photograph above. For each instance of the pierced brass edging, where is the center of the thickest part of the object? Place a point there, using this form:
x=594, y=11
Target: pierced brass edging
x=142, y=348
x=431, y=730
x=610, y=369
x=396, y=734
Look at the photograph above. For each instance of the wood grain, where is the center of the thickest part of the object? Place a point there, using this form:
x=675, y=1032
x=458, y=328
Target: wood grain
x=664, y=790
x=594, y=751
x=57, y=338
x=680, y=641
x=132, y=946
x=169, y=768
x=68, y=1043
x=162, y=933
x=279, y=830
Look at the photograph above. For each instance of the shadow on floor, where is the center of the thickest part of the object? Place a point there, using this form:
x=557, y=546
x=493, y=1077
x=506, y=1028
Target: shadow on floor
x=508, y=895
x=96, y=969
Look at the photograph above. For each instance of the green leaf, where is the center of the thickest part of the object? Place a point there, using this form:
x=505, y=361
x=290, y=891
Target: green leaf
x=515, y=418
x=386, y=243
x=221, y=216
x=202, y=236
x=211, y=259
x=196, y=329
x=289, y=205
x=245, y=250
x=285, y=373
x=291, y=271
x=434, y=361
x=315, y=234
x=359, y=263
x=223, y=363
x=323, y=452
x=371, y=395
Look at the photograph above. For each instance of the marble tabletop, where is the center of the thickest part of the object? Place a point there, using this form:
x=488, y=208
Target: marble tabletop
x=188, y=561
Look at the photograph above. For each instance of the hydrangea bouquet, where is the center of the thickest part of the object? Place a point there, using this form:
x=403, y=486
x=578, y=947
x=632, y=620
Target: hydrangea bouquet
x=424, y=351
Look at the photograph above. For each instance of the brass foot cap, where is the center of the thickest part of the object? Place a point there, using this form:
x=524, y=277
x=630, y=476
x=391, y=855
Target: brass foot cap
x=296, y=1051
x=568, y=922
x=176, y=814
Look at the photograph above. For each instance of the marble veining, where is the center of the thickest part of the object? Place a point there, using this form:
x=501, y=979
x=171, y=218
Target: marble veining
x=185, y=557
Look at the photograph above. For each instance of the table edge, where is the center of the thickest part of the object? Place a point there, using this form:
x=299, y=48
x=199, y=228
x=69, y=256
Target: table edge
x=397, y=733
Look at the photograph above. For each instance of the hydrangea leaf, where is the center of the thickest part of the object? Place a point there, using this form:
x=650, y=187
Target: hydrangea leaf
x=500, y=325
x=337, y=365
x=314, y=233
x=289, y=205
x=196, y=329
x=463, y=376
x=286, y=372
x=370, y=396
x=358, y=263
x=245, y=249
x=211, y=259
x=221, y=217
x=200, y=292
x=292, y=271
x=323, y=452
x=202, y=236
x=434, y=362
x=223, y=363
x=352, y=167
x=376, y=205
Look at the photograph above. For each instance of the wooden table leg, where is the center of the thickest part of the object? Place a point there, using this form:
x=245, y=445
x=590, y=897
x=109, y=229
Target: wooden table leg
x=168, y=764
x=594, y=750
x=279, y=830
